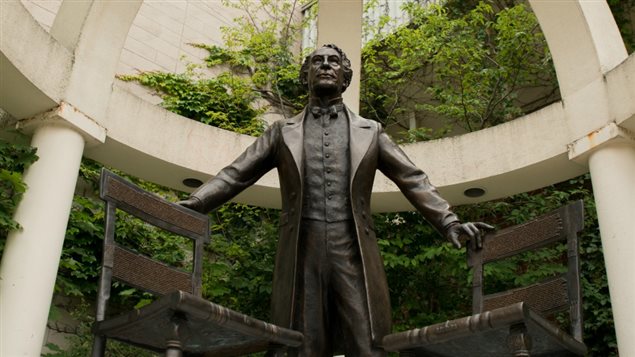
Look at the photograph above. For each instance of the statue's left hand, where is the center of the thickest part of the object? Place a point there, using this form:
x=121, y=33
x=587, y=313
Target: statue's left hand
x=474, y=230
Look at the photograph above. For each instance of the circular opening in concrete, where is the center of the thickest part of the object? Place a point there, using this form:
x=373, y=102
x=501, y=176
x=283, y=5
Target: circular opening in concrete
x=192, y=182
x=474, y=192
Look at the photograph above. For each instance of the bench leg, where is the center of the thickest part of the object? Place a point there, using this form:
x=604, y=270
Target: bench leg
x=174, y=349
x=518, y=341
x=99, y=346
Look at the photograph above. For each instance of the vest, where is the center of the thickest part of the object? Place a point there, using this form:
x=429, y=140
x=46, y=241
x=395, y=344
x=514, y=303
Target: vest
x=326, y=167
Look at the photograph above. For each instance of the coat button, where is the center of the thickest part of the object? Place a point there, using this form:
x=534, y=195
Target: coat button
x=326, y=144
x=367, y=230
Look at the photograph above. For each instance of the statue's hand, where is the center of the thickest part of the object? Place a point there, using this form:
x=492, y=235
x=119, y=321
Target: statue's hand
x=192, y=203
x=473, y=230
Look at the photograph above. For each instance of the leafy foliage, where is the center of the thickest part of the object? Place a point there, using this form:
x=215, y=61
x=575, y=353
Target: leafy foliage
x=79, y=264
x=14, y=159
x=260, y=47
x=467, y=70
x=624, y=14
x=238, y=269
x=427, y=279
x=224, y=101
x=256, y=63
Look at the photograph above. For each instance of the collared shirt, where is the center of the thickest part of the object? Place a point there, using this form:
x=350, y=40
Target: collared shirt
x=327, y=165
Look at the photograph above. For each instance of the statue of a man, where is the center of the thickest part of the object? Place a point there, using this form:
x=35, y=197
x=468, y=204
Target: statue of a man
x=329, y=281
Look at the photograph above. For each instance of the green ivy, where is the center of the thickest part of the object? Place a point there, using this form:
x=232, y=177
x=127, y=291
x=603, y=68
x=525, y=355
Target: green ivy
x=238, y=269
x=225, y=101
x=14, y=159
x=256, y=63
x=424, y=275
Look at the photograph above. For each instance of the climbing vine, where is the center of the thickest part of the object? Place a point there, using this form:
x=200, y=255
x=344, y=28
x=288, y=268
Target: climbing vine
x=226, y=101
x=14, y=159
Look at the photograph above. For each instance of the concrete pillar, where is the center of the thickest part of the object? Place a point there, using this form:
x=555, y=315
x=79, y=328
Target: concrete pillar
x=31, y=257
x=586, y=44
x=612, y=169
x=340, y=22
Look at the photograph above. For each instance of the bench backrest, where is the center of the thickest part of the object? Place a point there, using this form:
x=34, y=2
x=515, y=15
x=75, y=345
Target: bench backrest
x=552, y=295
x=138, y=270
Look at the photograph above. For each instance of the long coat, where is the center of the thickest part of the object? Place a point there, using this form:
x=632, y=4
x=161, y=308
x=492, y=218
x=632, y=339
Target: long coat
x=281, y=147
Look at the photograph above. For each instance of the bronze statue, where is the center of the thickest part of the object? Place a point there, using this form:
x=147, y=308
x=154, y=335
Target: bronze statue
x=329, y=281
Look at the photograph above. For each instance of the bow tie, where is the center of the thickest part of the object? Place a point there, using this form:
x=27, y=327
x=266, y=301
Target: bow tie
x=331, y=110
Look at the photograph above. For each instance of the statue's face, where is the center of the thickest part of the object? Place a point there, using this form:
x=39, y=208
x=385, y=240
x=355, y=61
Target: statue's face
x=326, y=73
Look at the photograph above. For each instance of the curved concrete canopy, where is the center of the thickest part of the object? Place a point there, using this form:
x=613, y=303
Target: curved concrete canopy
x=151, y=143
x=34, y=67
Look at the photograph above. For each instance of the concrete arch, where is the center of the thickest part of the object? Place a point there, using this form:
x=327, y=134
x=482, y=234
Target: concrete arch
x=97, y=53
x=524, y=147
x=75, y=63
x=529, y=153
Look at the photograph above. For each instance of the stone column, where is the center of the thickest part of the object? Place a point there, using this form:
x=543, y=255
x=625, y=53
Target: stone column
x=613, y=175
x=610, y=152
x=31, y=256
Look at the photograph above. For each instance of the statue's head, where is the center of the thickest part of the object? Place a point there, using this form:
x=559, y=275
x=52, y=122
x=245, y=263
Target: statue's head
x=326, y=70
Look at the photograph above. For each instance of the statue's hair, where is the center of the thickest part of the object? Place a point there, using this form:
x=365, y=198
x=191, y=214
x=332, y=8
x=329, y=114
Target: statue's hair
x=346, y=63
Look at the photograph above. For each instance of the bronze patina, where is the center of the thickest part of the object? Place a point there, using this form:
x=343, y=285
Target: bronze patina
x=329, y=282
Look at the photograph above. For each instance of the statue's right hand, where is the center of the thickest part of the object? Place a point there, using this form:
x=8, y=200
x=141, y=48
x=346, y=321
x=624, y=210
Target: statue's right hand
x=192, y=203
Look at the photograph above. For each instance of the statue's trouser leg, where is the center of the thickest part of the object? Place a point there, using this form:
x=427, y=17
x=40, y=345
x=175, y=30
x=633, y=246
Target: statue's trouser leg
x=311, y=315
x=348, y=292
x=331, y=293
